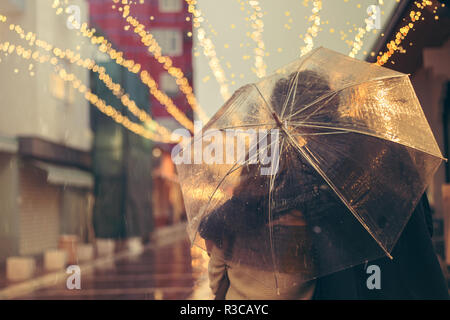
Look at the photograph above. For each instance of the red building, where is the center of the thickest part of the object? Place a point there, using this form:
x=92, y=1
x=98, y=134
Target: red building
x=170, y=24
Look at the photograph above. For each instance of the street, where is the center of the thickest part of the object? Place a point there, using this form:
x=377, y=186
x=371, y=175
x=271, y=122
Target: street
x=171, y=271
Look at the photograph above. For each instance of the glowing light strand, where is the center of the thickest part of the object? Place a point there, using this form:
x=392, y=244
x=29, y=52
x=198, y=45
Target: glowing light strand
x=90, y=64
x=394, y=45
x=100, y=104
x=153, y=47
x=117, y=56
x=358, y=41
x=313, y=30
x=258, y=26
x=209, y=50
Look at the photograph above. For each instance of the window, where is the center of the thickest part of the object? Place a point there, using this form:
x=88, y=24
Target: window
x=167, y=6
x=170, y=41
x=168, y=84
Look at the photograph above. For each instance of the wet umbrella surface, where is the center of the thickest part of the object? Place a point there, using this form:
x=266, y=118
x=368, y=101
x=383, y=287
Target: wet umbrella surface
x=311, y=170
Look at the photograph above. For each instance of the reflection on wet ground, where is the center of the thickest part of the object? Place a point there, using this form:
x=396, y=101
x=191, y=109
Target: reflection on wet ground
x=174, y=271
x=171, y=271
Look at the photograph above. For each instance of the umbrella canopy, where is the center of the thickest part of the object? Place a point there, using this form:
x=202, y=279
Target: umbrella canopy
x=313, y=169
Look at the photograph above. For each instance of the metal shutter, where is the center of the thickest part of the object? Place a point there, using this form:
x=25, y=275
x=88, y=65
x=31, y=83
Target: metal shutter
x=39, y=206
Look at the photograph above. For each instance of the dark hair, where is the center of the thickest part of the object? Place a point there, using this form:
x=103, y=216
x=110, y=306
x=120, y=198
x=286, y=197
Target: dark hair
x=298, y=89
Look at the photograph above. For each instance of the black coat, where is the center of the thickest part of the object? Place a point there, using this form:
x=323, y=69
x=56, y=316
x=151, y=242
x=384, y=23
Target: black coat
x=414, y=273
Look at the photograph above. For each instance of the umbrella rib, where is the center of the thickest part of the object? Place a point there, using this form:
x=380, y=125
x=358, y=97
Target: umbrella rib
x=320, y=107
x=332, y=93
x=269, y=108
x=349, y=130
x=233, y=169
x=318, y=169
x=319, y=133
x=333, y=187
x=247, y=126
x=292, y=90
x=296, y=80
x=271, y=185
x=342, y=89
x=271, y=111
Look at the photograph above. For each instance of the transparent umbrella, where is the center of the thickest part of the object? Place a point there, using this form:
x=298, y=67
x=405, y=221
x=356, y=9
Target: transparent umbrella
x=312, y=170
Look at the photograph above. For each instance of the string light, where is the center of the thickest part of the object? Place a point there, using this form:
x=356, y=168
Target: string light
x=209, y=50
x=85, y=91
x=90, y=64
x=358, y=42
x=105, y=46
x=394, y=45
x=153, y=47
x=312, y=31
x=258, y=26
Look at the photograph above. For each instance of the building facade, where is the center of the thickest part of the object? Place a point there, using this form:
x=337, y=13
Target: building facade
x=45, y=163
x=170, y=24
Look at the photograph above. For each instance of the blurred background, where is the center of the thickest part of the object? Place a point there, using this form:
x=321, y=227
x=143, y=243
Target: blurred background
x=91, y=91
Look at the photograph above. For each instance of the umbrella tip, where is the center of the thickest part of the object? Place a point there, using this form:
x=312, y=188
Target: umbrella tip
x=388, y=254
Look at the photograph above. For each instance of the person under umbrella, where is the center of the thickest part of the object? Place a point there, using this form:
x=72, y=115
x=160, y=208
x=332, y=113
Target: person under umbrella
x=352, y=169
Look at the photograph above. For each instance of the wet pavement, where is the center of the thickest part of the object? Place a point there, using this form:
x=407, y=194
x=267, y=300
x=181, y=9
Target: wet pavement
x=173, y=271
x=160, y=272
